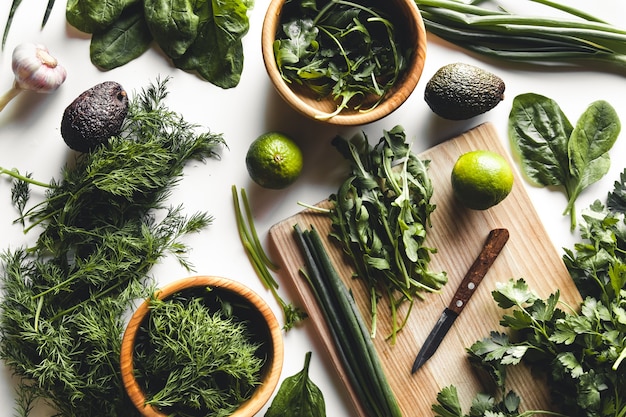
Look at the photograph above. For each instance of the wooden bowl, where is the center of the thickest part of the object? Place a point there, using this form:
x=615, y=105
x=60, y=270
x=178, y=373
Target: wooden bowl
x=272, y=367
x=407, y=21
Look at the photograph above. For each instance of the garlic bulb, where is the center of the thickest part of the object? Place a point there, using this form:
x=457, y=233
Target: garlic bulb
x=35, y=70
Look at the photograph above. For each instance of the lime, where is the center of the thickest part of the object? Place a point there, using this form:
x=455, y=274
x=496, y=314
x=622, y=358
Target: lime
x=481, y=179
x=274, y=160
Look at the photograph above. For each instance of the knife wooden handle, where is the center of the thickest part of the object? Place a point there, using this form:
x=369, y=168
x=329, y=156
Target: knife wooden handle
x=493, y=245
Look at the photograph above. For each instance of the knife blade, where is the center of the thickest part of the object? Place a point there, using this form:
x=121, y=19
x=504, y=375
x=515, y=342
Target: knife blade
x=492, y=247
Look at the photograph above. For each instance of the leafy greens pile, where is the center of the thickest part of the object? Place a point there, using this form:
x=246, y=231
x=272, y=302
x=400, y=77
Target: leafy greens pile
x=380, y=217
x=103, y=226
x=581, y=352
x=349, y=50
x=203, y=36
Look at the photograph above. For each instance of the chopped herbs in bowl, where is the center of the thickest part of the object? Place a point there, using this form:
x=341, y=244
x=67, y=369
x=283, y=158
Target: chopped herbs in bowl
x=345, y=62
x=204, y=346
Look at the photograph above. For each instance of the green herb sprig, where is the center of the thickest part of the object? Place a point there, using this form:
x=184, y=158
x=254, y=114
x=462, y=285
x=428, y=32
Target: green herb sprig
x=380, y=218
x=103, y=226
x=349, y=50
x=554, y=153
x=577, y=39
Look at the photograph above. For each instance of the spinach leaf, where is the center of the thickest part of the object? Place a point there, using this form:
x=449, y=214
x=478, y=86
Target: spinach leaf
x=126, y=39
x=594, y=135
x=539, y=131
x=173, y=23
x=300, y=43
x=217, y=52
x=298, y=396
x=553, y=153
x=92, y=16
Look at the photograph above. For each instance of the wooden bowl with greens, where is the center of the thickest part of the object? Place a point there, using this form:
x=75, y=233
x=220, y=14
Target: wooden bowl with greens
x=202, y=346
x=348, y=62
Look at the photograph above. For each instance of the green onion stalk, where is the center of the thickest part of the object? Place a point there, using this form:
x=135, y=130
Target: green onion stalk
x=577, y=38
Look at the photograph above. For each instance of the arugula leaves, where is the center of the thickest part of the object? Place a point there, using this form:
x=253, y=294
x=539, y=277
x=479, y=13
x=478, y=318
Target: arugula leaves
x=346, y=49
x=381, y=216
x=554, y=153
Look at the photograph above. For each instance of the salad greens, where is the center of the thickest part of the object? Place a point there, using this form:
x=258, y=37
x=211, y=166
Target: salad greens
x=349, y=50
x=581, y=350
x=381, y=216
x=103, y=226
x=487, y=28
x=554, y=153
x=298, y=396
x=347, y=327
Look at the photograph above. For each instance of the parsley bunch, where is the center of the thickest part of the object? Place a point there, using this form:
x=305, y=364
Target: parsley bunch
x=103, y=226
x=581, y=351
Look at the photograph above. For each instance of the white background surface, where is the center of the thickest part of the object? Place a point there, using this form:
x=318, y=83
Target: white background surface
x=30, y=141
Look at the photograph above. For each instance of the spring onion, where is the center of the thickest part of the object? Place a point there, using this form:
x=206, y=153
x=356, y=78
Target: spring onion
x=574, y=39
x=261, y=263
x=349, y=332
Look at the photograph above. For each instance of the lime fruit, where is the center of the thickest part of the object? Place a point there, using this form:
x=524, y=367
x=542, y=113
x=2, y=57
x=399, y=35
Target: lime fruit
x=274, y=160
x=481, y=179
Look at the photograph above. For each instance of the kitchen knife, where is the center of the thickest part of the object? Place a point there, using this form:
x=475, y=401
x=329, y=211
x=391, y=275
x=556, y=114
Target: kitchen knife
x=496, y=240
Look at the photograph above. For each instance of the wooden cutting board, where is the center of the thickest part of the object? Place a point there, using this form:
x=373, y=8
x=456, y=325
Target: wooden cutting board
x=458, y=234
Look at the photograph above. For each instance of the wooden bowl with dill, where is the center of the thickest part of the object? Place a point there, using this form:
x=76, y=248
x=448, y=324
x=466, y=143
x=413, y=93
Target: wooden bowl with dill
x=178, y=349
x=350, y=62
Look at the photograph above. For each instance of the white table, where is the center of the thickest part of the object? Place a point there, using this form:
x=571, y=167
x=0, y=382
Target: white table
x=30, y=141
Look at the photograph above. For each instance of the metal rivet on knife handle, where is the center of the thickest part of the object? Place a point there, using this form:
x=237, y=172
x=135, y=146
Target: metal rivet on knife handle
x=495, y=242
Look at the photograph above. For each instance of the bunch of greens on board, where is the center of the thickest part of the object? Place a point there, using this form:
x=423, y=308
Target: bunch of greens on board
x=344, y=49
x=103, y=226
x=381, y=215
x=574, y=38
x=552, y=152
x=298, y=396
x=580, y=350
x=197, y=355
x=202, y=36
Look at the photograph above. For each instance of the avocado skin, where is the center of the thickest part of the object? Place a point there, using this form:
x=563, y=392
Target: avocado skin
x=94, y=116
x=461, y=91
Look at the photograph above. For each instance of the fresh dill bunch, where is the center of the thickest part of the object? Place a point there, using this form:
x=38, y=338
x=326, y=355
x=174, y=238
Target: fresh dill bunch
x=103, y=225
x=195, y=357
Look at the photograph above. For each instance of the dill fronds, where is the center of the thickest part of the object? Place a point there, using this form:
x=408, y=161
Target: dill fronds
x=65, y=298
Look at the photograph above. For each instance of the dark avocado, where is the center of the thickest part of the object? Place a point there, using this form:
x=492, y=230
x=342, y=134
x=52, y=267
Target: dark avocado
x=461, y=91
x=94, y=116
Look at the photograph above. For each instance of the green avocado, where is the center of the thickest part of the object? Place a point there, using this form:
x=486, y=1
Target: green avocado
x=461, y=91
